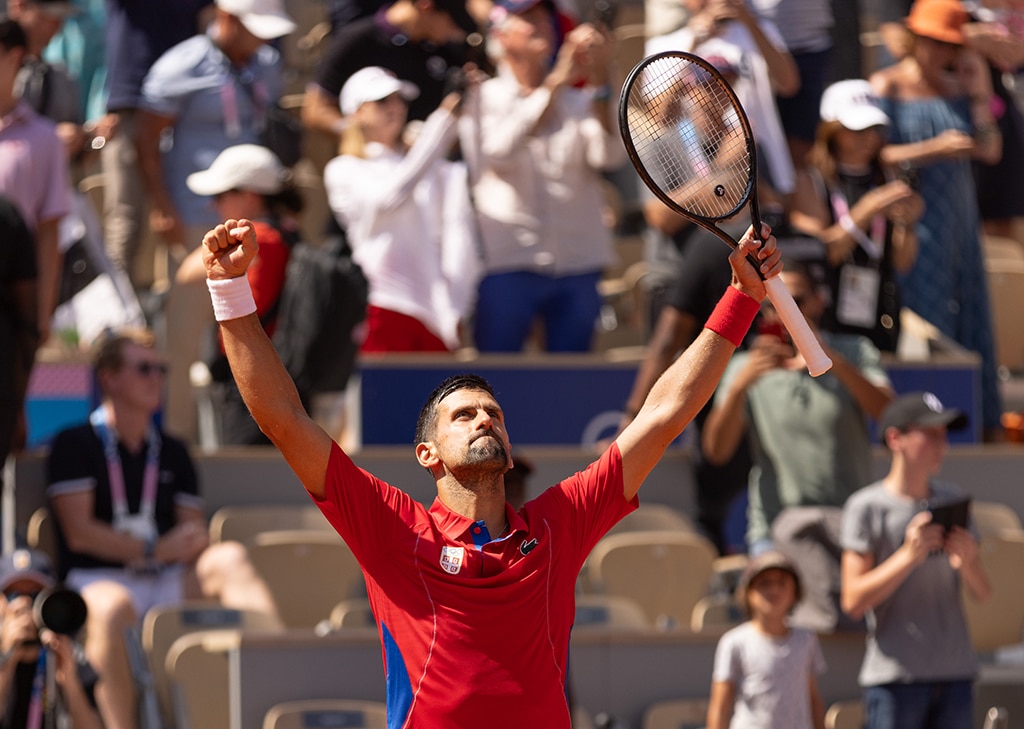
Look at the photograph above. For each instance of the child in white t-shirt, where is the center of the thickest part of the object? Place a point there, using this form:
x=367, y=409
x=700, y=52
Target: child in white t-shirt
x=765, y=673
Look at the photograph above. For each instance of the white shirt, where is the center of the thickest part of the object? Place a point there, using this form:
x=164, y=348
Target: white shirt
x=409, y=224
x=537, y=187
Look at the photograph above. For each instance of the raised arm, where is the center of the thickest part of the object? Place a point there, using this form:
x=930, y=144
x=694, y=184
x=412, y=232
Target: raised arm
x=266, y=387
x=686, y=385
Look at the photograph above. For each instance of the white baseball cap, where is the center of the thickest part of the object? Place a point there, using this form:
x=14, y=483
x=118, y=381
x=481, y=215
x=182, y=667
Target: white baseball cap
x=265, y=19
x=854, y=104
x=373, y=83
x=248, y=167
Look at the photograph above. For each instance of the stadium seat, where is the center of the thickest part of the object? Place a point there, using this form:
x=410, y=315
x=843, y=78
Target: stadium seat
x=243, y=522
x=164, y=624
x=1004, y=268
x=352, y=613
x=609, y=612
x=992, y=517
x=845, y=715
x=1000, y=621
x=41, y=533
x=654, y=517
x=715, y=614
x=667, y=572
x=307, y=572
x=327, y=714
x=197, y=668
x=676, y=714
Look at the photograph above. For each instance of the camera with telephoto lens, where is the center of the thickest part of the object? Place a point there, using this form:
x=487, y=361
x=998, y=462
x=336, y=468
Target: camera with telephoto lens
x=61, y=610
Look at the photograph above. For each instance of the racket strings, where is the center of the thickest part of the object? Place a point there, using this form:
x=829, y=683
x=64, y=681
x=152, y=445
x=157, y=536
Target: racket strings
x=685, y=128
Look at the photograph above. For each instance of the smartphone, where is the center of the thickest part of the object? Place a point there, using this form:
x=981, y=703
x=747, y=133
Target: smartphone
x=772, y=329
x=951, y=514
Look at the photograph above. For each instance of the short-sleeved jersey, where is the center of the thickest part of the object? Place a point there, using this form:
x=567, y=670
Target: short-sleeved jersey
x=77, y=463
x=474, y=636
x=771, y=675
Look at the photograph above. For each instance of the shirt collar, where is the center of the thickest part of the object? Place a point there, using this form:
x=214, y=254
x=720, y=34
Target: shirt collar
x=456, y=527
x=20, y=112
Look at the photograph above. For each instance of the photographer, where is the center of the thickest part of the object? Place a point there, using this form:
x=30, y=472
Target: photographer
x=24, y=574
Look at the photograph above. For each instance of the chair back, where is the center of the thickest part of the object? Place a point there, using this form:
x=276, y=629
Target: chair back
x=41, y=534
x=164, y=624
x=307, y=573
x=327, y=714
x=845, y=715
x=242, y=522
x=998, y=622
x=605, y=612
x=654, y=517
x=993, y=517
x=716, y=614
x=197, y=669
x=667, y=572
x=352, y=613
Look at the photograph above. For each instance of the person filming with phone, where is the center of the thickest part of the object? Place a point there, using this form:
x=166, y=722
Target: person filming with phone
x=903, y=569
x=38, y=654
x=810, y=441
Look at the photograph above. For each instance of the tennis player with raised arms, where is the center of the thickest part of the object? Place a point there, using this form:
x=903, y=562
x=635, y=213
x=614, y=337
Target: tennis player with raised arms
x=474, y=601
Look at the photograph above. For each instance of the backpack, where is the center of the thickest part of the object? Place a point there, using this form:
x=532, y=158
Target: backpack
x=322, y=303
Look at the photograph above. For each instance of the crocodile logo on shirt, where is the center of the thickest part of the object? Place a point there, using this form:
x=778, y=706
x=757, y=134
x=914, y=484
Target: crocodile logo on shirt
x=452, y=559
x=527, y=546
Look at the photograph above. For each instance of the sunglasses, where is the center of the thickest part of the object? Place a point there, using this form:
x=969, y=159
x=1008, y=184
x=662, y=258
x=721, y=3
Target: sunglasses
x=147, y=369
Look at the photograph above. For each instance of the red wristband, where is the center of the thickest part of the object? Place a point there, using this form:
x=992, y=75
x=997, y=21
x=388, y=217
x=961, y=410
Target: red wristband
x=733, y=315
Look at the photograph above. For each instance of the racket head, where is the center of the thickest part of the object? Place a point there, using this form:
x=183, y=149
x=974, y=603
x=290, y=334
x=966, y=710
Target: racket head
x=688, y=136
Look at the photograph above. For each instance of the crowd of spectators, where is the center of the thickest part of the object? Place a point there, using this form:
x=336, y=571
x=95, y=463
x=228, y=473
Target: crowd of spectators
x=476, y=143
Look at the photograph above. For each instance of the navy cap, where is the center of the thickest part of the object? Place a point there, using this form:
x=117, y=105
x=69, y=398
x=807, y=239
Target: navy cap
x=919, y=408
x=26, y=564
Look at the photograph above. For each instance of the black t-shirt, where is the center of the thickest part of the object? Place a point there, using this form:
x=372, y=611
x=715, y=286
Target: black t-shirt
x=374, y=42
x=77, y=459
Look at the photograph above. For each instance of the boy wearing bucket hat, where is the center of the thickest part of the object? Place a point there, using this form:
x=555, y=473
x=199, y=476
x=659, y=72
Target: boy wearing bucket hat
x=24, y=573
x=765, y=672
x=903, y=572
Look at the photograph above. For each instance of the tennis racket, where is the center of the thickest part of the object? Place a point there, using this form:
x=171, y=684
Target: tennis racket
x=690, y=141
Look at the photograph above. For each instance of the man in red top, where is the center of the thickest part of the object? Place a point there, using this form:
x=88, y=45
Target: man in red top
x=474, y=601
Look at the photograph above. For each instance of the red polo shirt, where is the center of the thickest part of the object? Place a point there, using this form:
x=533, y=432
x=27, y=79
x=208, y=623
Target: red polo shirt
x=474, y=635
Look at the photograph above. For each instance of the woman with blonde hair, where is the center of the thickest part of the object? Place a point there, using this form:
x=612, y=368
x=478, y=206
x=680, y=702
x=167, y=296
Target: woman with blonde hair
x=406, y=212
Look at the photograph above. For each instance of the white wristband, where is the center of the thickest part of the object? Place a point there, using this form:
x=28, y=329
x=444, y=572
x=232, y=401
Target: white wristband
x=231, y=297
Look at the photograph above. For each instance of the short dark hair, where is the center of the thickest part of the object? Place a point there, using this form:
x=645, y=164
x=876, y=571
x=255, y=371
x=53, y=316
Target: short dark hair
x=11, y=34
x=108, y=349
x=428, y=413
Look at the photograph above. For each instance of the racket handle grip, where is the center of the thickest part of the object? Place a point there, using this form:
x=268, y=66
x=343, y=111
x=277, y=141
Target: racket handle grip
x=818, y=363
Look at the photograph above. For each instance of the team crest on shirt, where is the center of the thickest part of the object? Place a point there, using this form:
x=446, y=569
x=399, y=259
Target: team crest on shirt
x=452, y=559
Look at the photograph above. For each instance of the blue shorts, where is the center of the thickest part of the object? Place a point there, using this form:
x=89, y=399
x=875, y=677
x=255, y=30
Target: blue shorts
x=509, y=303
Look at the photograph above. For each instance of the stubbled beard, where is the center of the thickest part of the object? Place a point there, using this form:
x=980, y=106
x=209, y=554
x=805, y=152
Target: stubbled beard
x=491, y=451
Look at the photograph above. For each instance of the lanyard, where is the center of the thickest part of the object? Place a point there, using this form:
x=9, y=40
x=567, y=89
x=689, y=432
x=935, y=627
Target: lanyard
x=100, y=422
x=35, y=704
x=872, y=246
